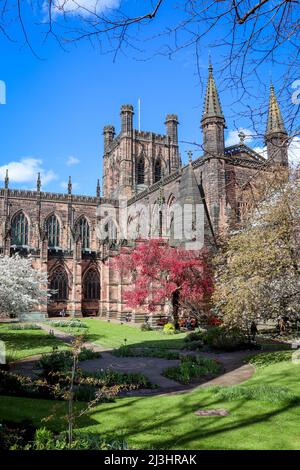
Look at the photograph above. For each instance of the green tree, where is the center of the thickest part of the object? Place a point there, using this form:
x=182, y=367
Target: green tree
x=257, y=271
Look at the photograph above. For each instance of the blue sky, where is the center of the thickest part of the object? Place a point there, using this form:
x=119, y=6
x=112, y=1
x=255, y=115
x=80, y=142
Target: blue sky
x=56, y=107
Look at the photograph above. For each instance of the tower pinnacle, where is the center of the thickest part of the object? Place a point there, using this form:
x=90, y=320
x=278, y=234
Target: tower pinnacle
x=276, y=136
x=275, y=121
x=212, y=105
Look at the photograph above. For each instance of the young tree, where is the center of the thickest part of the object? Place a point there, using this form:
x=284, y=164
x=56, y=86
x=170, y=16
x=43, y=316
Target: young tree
x=160, y=274
x=21, y=286
x=258, y=271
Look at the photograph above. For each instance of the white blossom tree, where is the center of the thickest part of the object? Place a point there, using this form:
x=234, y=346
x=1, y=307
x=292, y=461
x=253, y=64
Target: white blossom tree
x=22, y=287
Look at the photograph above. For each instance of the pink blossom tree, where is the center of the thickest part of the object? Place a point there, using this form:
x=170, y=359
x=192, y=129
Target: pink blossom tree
x=160, y=273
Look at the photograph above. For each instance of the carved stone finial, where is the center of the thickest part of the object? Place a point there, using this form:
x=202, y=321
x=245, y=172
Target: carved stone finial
x=6, y=179
x=38, y=183
x=242, y=136
x=190, y=155
x=98, y=188
x=70, y=185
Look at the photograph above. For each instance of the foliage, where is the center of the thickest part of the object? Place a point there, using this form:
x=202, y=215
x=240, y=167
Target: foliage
x=75, y=323
x=146, y=327
x=56, y=362
x=193, y=367
x=161, y=274
x=110, y=378
x=194, y=337
x=258, y=272
x=226, y=339
x=264, y=393
x=194, y=345
x=22, y=288
x=24, y=326
x=169, y=329
x=44, y=439
x=267, y=359
x=15, y=434
x=126, y=351
x=59, y=361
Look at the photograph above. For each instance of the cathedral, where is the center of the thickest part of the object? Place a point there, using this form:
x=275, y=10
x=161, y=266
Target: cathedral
x=146, y=192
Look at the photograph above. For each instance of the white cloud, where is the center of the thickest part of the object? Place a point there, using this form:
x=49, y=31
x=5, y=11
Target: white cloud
x=64, y=185
x=294, y=152
x=233, y=136
x=83, y=7
x=26, y=170
x=72, y=161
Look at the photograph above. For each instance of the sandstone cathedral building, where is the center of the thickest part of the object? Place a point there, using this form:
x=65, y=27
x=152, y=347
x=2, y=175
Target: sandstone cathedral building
x=75, y=238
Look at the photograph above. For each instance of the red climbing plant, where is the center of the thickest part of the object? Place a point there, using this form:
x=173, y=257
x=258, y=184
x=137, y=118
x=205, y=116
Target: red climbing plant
x=160, y=273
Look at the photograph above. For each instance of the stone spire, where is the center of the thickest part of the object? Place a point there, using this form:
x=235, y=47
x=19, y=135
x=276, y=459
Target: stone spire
x=98, y=188
x=70, y=185
x=213, y=121
x=276, y=136
x=212, y=105
x=275, y=122
x=38, y=182
x=6, y=179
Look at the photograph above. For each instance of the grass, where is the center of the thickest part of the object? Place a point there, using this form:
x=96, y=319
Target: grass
x=24, y=343
x=112, y=335
x=254, y=423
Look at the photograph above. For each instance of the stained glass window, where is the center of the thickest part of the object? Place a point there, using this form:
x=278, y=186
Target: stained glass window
x=91, y=285
x=19, y=230
x=53, y=230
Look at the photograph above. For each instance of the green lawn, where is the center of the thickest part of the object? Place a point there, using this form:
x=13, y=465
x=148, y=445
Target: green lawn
x=23, y=343
x=169, y=422
x=112, y=335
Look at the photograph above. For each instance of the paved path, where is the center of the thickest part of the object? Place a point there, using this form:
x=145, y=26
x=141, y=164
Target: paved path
x=236, y=371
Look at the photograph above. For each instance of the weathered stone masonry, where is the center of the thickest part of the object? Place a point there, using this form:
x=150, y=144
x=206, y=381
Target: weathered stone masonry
x=75, y=238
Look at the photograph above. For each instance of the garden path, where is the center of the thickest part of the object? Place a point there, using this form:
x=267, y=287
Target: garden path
x=235, y=370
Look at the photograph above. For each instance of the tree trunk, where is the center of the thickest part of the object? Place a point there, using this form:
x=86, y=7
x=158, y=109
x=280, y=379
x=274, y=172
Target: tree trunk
x=175, y=306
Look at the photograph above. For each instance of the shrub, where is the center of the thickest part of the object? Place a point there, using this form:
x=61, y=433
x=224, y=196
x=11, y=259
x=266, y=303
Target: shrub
x=126, y=351
x=18, y=385
x=169, y=329
x=194, y=345
x=24, y=326
x=146, y=327
x=193, y=337
x=191, y=368
x=61, y=361
x=225, y=339
x=55, y=362
x=87, y=354
x=68, y=324
x=15, y=434
x=265, y=393
x=44, y=439
x=110, y=378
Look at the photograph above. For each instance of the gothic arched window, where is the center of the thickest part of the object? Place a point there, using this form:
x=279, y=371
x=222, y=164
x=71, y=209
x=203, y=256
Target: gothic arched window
x=19, y=230
x=111, y=230
x=157, y=170
x=59, y=284
x=141, y=171
x=53, y=230
x=91, y=285
x=83, y=229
